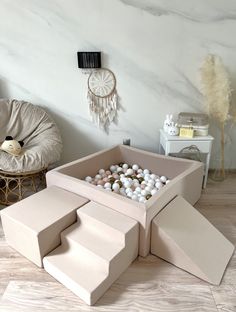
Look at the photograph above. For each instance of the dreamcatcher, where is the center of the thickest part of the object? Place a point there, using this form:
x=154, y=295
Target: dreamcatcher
x=102, y=97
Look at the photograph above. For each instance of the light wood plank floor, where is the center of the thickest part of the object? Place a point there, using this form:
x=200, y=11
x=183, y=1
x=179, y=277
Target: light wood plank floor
x=149, y=284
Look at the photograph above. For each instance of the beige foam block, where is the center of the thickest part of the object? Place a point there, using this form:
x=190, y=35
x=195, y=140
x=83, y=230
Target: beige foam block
x=33, y=225
x=94, y=251
x=183, y=237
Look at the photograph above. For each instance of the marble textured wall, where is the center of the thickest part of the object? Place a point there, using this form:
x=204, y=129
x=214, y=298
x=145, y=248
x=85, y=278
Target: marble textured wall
x=155, y=48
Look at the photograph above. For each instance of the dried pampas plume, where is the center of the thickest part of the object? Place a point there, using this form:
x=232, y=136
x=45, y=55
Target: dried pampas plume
x=217, y=94
x=216, y=88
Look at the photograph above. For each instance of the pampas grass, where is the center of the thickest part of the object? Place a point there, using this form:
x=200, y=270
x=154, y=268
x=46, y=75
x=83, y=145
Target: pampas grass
x=217, y=94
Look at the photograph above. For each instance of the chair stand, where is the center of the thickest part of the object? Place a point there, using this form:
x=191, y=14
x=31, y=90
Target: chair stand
x=16, y=186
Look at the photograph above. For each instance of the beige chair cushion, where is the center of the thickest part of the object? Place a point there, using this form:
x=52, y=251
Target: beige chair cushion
x=31, y=124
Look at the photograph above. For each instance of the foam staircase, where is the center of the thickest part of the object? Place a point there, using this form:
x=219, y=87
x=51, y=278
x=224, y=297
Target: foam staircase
x=94, y=251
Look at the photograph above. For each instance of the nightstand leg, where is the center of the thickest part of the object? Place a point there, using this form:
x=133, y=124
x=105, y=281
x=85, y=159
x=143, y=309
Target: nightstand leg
x=206, y=170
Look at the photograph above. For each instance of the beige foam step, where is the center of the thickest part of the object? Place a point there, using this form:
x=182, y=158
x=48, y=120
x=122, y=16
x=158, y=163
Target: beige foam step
x=82, y=236
x=33, y=225
x=185, y=238
x=83, y=275
x=90, y=259
x=107, y=220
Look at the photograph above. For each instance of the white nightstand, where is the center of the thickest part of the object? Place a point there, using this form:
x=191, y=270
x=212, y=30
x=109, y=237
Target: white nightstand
x=173, y=144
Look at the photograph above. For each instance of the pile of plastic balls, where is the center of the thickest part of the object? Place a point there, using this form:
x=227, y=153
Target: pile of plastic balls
x=129, y=180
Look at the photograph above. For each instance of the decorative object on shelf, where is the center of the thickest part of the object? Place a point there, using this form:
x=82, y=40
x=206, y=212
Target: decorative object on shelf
x=217, y=93
x=102, y=97
x=167, y=122
x=186, y=132
x=198, y=122
x=173, y=129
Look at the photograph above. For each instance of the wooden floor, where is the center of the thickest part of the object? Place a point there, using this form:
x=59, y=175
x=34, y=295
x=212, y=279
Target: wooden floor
x=149, y=284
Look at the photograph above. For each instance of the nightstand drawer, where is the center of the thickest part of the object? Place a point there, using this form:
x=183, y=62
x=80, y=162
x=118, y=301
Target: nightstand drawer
x=176, y=146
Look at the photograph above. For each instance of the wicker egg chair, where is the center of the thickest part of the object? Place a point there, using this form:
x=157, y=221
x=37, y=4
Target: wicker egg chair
x=21, y=175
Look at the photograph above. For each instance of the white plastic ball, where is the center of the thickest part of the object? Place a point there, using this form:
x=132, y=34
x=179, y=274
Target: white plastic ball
x=151, y=182
x=153, y=176
x=130, y=194
x=101, y=171
x=135, y=167
x=98, y=177
x=147, y=177
x=128, y=190
x=163, y=179
x=129, y=171
x=88, y=179
x=158, y=185
x=167, y=181
x=154, y=191
x=107, y=185
x=135, y=184
x=142, y=199
x=119, y=169
x=140, y=170
x=125, y=166
x=148, y=188
x=113, y=168
x=144, y=192
x=146, y=171
x=127, y=184
x=138, y=189
x=115, y=187
x=134, y=197
x=108, y=189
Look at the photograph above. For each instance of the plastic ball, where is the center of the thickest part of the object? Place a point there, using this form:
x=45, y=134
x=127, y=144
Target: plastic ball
x=113, y=168
x=154, y=191
x=88, y=179
x=107, y=185
x=108, y=189
x=119, y=169
x=144, y=192
x=146, y=171
x=134, y=197
x=101, y=171
x=140, y=170
x=112, y=180
x=130, y=194
x=153, y=176
x=148, y=188
x=108, y=172
x=127, y=184
x=135, y=167
x=158, y=185
x=167, y=181
x=98, y=177
x=100, y=182
x=115, y=186
x=163, y=179
x=151, y=182
x=125, y=166
x=147, y=177
x=129, y=171
x=128, y=190
x=138, y=189
x=142, y=199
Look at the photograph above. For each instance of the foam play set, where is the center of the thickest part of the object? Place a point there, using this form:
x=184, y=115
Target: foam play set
x=85, y=236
